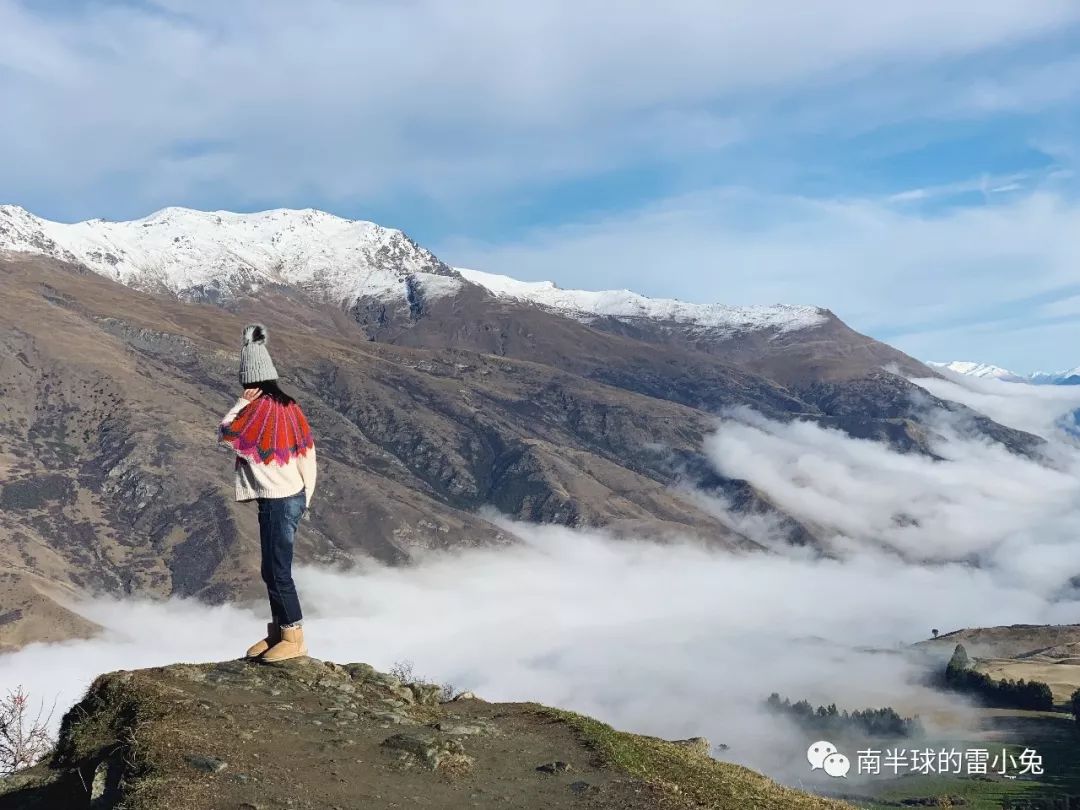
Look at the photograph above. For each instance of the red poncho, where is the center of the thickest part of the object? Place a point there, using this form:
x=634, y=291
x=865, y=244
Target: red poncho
x=268, y=430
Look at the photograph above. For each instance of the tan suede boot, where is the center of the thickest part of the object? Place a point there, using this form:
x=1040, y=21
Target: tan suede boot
x=291, y=645
x=273, y=636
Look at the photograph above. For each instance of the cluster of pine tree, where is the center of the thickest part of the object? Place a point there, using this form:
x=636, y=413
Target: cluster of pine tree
x=1002, y=694
x=829, y=720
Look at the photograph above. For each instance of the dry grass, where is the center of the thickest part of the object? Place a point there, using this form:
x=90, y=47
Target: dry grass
x=1062, y=678
x=685, y=777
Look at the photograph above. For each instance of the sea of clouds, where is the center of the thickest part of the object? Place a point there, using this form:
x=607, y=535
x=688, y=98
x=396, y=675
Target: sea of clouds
x=677, y=640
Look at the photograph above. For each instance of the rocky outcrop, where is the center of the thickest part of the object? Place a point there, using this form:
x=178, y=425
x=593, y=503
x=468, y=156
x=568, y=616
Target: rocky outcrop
x=308, y=734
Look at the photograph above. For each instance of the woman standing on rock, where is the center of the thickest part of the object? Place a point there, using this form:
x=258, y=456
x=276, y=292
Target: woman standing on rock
x=275, y=465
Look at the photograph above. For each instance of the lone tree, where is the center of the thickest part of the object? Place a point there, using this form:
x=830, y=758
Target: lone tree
x=23, y=741
x=934, y=632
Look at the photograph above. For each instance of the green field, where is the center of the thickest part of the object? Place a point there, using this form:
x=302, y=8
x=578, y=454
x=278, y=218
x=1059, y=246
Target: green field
x=1053, y=735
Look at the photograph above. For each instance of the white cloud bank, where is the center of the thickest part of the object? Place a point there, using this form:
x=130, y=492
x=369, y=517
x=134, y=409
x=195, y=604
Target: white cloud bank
x=669, y=640
x=676, y=640
x=1035, y=408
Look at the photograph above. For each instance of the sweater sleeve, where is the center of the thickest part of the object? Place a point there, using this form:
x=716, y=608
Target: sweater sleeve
x=308, y=469
x=226, y=420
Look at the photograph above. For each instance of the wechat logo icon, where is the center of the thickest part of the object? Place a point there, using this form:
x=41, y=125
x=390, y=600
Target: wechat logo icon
x=823, y=756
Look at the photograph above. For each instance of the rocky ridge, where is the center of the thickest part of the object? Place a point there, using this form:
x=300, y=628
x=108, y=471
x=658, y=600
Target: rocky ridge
x=314, y=735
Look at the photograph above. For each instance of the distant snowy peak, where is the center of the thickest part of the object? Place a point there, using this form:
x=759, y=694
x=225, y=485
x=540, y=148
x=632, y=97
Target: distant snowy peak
x=201, y=254
x=1070, y=377
x=987, y=371
x=626, y=305
x=981, y=370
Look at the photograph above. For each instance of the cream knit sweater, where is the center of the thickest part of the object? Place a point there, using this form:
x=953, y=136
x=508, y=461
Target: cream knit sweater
x=271, y=480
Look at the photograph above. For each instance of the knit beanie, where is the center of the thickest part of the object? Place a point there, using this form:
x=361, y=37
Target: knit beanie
x=255, y=363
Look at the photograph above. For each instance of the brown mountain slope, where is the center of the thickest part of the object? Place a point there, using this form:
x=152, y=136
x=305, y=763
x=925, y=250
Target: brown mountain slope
x=827, y=372
x=1008, y=641
x=113, y=481
x=1048, y=653
x=309, y=734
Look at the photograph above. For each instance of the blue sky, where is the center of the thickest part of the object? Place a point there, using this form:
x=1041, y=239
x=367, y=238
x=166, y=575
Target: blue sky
x=911, y=168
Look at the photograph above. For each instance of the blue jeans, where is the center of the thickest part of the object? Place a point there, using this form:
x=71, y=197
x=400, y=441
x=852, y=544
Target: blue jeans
x=278, y=518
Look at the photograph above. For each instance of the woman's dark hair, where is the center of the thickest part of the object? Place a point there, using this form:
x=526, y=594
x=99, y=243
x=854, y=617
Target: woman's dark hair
x=270, y=388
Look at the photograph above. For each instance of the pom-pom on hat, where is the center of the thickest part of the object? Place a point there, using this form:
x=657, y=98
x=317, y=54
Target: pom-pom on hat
x=255, y=363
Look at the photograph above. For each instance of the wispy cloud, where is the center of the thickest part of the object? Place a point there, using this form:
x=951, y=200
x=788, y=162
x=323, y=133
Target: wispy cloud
x=348, y=102
x=985, y=185
x=1062, y=308
x=888, y=269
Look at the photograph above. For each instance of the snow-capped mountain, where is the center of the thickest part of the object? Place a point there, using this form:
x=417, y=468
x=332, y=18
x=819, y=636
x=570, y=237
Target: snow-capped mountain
x=202, y=255
x=627, y=305
x=981, y=370
x=988, y=371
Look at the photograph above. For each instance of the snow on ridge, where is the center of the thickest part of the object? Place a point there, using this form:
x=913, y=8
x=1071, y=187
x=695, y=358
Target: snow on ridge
x=184, y=251
x=622, y=304
x=972, y=369
x=217, y=254
x=1056, y=377
x=989, y=371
